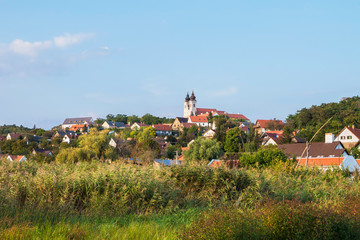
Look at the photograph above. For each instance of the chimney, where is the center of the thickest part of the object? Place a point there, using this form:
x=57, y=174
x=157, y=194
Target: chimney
x=353, y=126
x=329, y=137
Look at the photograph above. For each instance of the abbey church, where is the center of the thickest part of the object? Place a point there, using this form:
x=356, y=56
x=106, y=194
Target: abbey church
x=191, y=109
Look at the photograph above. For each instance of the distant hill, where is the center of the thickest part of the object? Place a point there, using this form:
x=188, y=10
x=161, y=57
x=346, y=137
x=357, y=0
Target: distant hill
x=309, y=120
x=5, y=129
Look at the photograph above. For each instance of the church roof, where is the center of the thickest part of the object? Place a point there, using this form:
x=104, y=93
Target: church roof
x=187, y=98
x=193, y=96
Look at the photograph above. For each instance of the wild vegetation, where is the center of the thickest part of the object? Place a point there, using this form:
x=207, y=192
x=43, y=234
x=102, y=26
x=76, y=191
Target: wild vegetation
x=122, y=200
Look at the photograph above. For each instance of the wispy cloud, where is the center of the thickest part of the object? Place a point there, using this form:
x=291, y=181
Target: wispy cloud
x=27, y=48
x=21, y=58
x=22, y=47
x=226, y=92
x=69, y=39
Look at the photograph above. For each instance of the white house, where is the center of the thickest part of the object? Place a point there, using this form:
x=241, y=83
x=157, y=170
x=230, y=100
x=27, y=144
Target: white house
x=200, y=120
x=69, y=122
x=209, y=133
x=138, y=126
x=348, y=136
x=110, y=124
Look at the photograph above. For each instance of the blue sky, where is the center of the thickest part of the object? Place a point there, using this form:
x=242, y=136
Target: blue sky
x=263, y=59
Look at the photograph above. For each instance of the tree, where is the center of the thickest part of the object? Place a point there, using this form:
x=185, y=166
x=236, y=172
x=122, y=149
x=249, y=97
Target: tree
x=203, y=149
x=234, y=140
x=265, y=157
x=146, y=133
x=171, y=151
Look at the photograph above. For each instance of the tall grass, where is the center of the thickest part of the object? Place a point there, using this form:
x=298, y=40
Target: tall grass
x=104, y=201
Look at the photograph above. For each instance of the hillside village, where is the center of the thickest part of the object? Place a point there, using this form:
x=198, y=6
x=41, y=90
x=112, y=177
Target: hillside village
x=169, y=140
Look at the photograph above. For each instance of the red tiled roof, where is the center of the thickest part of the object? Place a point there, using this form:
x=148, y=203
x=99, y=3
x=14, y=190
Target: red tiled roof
x=329, y=161
x=244, y=128
x=205, y=110
x=276, y=132
x=263, y=122
x=162, y=127
x=189, y=125
x=228, y=163
x=220, y=112
x=198, y=119
x=237, y=116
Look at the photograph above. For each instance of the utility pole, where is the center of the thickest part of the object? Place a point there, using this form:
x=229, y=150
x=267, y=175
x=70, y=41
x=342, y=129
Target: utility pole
x=308, y=143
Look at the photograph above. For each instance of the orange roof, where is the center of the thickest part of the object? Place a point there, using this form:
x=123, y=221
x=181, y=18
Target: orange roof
x=162, y=127
x=330, y=161
x=77, y=126
x=276, y=132
x=200, y=118
x=358, y=161
x=262, y=123
x=205, y=110
x=237, y=116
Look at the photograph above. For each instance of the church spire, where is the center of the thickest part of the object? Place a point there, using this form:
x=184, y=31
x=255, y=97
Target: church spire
x=193, y=96
x=187, y=97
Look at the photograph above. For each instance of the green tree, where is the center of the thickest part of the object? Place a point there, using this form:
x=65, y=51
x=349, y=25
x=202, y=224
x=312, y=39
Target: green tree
x=265, y=157
x=203, y=149
x=234, y=140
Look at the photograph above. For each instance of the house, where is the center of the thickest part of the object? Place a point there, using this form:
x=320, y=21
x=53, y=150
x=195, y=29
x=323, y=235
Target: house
x=178, y=123
x=349, y=137
x=110, y=124
x=63, y=133
x=13, y=158
x=2, y=138
x=317, y=150
x=347, y=162
x=271, y=138
x=200, y=120
x=138, y=126
x=114, y=142
x=69, y=138
x=162, y=129
x=162, y=143
x=227, y=163
x=209, y=133
x=13, y=136
x=42, y=152
x=33, y=138
x=77, y=121
x=166, y=162
x=262, y=126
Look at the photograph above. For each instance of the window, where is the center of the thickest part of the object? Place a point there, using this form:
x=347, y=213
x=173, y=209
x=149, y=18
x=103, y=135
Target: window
x=349, y=137
x=342, y=137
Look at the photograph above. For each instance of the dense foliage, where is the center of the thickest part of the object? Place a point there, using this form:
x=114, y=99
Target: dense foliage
x=309, y=120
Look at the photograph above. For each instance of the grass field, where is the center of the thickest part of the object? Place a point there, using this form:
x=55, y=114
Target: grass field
x=92, y=200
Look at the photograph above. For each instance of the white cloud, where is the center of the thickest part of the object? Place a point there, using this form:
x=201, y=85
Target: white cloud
x=21, y=58
x=226, y=92
x=68, y=39
x=22, y=47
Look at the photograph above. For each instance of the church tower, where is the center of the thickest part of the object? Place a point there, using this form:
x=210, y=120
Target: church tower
x=190, y=105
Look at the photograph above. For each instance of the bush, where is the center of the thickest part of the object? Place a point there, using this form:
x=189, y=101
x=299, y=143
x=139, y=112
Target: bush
x=265, y=157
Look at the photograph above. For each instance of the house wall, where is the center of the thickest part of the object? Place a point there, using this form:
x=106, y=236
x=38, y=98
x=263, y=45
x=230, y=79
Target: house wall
x=347, y=138
x=270, y=142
